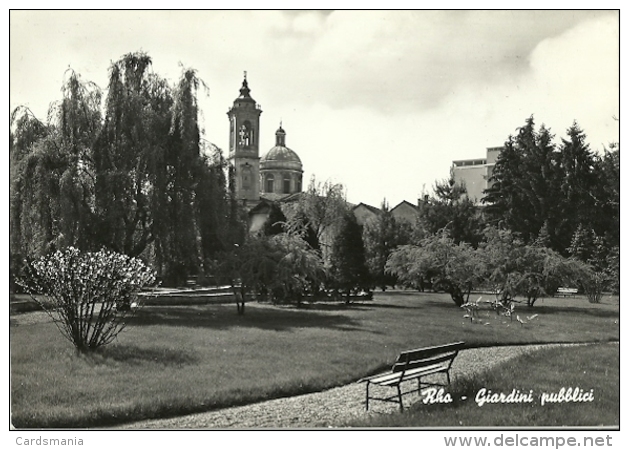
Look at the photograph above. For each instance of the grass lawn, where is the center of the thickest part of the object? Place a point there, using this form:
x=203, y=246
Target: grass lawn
x=591, y=368
x=182, y=359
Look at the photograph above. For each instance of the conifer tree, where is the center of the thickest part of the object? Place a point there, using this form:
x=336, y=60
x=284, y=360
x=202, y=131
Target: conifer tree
x=526, y=181
x=449, y=207
x=579, y=178
x=347, y=257
x=212, y=203
x=381, y=235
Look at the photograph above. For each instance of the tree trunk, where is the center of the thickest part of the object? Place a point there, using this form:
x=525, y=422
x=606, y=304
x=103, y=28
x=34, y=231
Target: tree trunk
x=240, y=297
x=457, y=297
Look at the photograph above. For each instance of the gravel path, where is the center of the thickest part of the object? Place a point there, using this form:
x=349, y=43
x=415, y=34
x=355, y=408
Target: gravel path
x=327, y=409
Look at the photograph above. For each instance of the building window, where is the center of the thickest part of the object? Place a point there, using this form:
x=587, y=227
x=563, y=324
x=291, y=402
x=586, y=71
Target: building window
x=270, y=181
x=286, y=184
x=298, y=185
x=245, y=134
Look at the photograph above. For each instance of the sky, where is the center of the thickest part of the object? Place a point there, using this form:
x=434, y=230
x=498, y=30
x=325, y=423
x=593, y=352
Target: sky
x=380, y=101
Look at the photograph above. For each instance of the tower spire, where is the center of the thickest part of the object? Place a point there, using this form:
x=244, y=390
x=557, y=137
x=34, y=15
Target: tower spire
x=244, y=90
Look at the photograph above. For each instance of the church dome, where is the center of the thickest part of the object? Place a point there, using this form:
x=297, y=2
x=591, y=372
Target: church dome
x=280, y=156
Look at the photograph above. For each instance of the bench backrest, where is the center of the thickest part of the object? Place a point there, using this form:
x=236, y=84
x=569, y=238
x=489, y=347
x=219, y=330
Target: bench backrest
x=422, y=357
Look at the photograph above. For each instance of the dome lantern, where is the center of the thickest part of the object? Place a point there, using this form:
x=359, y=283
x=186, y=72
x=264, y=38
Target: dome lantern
x=280, y=136
x=280, y=169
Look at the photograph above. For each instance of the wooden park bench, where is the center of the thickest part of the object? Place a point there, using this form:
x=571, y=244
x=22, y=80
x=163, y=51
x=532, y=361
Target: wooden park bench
x=567, y=292
x=414, y=365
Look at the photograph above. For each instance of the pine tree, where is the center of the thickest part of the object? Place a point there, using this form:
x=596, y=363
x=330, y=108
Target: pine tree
x=212, y=204
x=347, y=257
x=525, y=191
x=607, y=196
x=577, y=165
x=381, y=235
x=449, y=207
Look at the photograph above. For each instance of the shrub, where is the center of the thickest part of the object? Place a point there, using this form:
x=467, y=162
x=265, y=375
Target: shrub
x=514, y=268
x=88, y=295
x=279, y=268
x=593, y=285
x=451, y=267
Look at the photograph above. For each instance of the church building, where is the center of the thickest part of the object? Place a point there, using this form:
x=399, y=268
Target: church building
x=275, y=176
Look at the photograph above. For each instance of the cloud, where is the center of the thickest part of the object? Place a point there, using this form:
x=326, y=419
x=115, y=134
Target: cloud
x=572, y=75
x=404, y=60
x=577, y=76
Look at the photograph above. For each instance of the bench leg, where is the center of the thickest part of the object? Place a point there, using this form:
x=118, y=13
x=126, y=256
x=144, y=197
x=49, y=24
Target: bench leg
x=399, y=394
x=367, y=398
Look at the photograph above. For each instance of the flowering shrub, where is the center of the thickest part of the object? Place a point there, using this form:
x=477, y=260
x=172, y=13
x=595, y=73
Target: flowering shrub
x=88, y=295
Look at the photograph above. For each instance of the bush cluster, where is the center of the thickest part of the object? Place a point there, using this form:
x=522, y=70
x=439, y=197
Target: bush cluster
x=89, y=295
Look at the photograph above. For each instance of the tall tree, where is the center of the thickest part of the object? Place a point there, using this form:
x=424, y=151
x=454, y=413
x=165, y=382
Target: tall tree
x=526, y=184
x=213, y=205
x=381, y=235
x=544, y=192
x=177, y=251
x=133, y=141
x=78, y=119
x=608, y=195
x=347, y=267
x=449, y=207
x=25, y=132
x=130, y=177
x=52, y=175
x=579, y=178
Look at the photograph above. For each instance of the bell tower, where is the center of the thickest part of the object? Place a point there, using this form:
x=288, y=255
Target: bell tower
x=244, y=151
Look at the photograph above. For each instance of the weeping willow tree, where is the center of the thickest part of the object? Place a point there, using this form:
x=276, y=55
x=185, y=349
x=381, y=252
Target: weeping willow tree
x=38, y=188
x=150, y=174
x=25, y=201
x=128, y=175
x=78, y=123
x=51, y=175
x=128, y=154
x=177, y=249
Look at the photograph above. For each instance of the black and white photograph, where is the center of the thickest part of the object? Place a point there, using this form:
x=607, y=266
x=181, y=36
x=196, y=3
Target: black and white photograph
x=266, y=221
